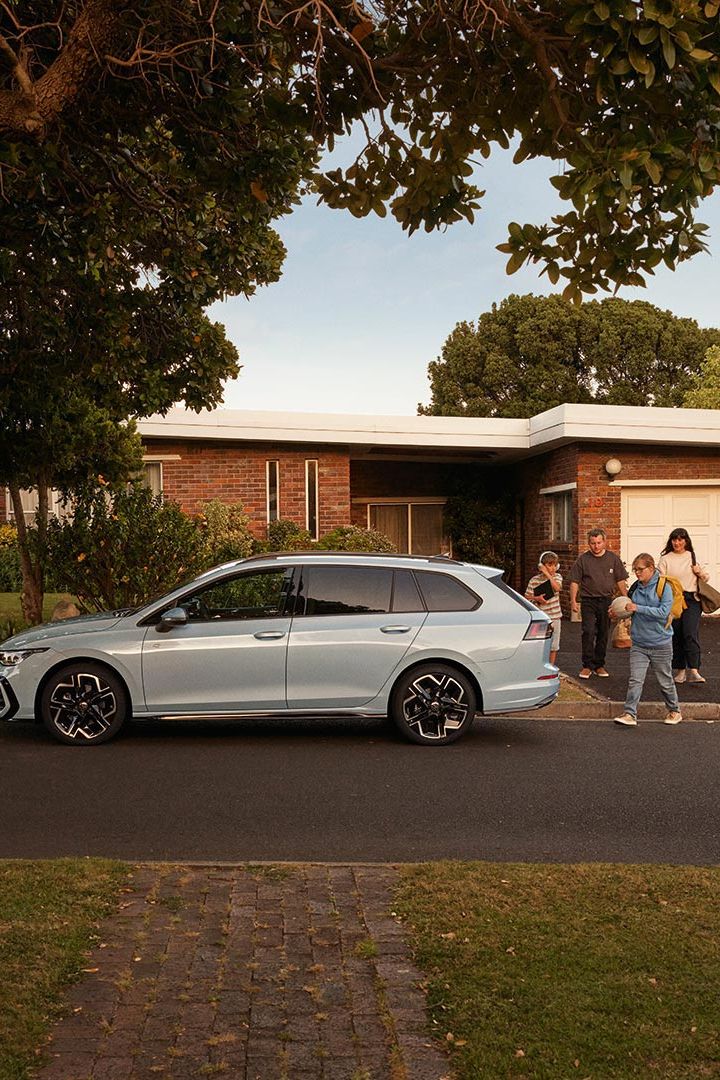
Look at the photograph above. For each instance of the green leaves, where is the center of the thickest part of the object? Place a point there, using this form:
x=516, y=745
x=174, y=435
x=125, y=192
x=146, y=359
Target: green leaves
x=532, y=352
x=174, y=174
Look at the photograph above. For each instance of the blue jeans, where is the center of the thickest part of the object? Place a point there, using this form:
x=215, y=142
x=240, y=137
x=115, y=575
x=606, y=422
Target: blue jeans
x=659, y=658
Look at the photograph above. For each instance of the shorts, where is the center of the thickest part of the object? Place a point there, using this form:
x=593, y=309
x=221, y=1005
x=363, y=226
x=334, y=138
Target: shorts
x=555, y=643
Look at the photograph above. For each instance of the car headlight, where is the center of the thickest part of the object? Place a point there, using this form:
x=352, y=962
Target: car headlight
x=13, y=657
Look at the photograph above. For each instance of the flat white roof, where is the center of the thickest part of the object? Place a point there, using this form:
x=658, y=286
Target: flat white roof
x=511, y=437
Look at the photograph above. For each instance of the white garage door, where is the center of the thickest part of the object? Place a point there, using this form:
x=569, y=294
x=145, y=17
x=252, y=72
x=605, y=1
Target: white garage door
x=650, y=514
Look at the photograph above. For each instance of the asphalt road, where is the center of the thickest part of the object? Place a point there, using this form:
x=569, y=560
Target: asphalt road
x=530, y=790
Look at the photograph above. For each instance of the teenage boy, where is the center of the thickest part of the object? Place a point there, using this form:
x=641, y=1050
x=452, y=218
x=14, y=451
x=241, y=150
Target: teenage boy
x=595, y=576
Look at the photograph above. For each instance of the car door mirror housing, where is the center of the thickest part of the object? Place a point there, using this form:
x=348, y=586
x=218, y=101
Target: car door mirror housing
x=175, y=616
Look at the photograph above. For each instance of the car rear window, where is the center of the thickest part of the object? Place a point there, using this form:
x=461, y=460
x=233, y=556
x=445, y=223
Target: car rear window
x=444, y=593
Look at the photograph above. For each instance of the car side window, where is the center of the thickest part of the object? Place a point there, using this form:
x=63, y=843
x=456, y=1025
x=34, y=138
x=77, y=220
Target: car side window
x=258, y=595
x=444, y=593
x=405, y=593
x=345, y=590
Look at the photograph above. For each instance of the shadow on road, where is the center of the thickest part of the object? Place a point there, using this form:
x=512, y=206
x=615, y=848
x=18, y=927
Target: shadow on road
x=490, y=731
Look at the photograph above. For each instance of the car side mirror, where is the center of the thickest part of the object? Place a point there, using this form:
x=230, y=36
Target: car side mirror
x=175, y=616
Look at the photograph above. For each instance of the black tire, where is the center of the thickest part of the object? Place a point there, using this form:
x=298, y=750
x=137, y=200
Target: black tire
x=433, y=704
x=83, y=704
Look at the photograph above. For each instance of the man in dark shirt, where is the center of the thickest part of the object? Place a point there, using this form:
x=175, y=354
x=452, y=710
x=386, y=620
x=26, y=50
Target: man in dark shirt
x=595, y=575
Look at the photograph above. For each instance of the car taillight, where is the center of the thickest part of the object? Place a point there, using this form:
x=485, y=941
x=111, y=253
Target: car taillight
x=538, y=629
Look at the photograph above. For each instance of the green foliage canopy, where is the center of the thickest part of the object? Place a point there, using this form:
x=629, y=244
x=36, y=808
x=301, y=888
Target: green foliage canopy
x=166, y=104
x=531, y=353
x=705, y=393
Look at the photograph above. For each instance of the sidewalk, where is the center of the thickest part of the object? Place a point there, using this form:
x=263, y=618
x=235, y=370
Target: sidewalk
x=256, y=973
x=618, y=665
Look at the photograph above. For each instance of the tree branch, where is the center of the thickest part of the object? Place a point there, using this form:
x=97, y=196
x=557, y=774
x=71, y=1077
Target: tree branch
x=32, y=111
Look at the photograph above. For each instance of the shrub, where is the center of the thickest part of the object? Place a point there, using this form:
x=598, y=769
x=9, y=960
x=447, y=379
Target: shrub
x=10, y=576
x=481, y=522
x=225, y=528
x=284, y=535
x=353, y=538
x=120, y=550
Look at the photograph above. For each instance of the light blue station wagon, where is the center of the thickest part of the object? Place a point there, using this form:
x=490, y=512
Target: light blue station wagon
x=429, y=642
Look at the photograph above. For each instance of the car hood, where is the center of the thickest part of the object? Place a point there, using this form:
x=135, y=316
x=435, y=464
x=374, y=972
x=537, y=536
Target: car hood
x=82, y=624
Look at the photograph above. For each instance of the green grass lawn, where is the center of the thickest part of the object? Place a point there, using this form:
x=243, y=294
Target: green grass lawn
x=49, y=913
x=11, y=616
x=553, y=972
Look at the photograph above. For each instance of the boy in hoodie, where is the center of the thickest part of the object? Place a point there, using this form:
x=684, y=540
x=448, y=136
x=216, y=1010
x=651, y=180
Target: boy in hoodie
x=651, y=641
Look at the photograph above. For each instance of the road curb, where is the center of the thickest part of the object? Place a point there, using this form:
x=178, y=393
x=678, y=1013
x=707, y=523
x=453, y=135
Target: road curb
x=703, y=711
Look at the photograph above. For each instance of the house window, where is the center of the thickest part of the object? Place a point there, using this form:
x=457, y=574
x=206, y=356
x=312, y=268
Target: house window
x=413, y=527
x=561, y=516
x=311, y=498
x=29, y=500
x=272, y=485
x=152, y=477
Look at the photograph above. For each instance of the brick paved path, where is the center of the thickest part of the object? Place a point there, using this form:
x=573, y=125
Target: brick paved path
x=296, y=973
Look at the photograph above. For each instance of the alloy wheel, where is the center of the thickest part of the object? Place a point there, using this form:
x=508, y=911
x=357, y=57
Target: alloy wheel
x=82, y=706
x=435, y=705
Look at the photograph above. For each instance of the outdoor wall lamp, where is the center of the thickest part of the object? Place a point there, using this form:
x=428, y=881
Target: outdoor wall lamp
x=613, y=466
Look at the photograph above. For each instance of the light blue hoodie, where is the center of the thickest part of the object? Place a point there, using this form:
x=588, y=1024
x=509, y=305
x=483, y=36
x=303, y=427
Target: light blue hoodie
x=648, y=622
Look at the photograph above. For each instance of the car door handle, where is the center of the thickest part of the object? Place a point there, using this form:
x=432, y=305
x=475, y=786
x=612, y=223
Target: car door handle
x=269, y=635
x=395, y=629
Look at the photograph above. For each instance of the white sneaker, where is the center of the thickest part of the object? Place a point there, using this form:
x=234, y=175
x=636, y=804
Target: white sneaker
x=680, y=676
x=673, y=718
x=627, y=720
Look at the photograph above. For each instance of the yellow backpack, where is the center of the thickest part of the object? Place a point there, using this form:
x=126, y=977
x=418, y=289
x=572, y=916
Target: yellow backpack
x=678, y=605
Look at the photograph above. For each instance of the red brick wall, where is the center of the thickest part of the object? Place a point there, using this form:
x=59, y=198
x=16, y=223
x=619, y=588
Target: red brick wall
x=238, y=474
x=548, y=470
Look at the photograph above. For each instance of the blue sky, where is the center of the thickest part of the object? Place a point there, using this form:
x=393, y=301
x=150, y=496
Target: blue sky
x=361, y=308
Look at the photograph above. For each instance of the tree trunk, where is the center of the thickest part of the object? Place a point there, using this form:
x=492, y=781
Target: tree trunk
x=32, y=569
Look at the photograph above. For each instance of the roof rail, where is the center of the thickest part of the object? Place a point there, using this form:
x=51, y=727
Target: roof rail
x=363, y=554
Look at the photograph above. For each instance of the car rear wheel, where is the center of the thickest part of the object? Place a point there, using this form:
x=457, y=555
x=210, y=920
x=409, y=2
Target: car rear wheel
x=83, y=704
x=434, y=704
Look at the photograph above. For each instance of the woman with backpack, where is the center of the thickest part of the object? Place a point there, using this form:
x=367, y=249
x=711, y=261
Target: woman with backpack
x=678, y=560
x=651, y=640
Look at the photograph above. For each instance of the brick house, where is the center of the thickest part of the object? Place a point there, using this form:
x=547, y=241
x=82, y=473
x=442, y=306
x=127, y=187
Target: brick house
x=638, y=472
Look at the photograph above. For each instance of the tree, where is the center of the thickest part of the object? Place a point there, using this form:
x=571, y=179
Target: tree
x=96, y=349
x=131, y=198
x=705, y=393
x=641, y=355
x=530, y=353
x=152, y=99
x=520, y=358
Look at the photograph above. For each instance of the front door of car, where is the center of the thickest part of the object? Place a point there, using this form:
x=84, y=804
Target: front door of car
x=352, y=627
x=230, y=655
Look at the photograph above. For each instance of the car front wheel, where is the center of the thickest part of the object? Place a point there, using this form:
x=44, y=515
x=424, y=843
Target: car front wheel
x=434, y=704
x=83, y=704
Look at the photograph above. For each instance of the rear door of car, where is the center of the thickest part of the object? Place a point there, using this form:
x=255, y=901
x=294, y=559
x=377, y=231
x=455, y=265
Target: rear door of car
x=230, y=656
x=352, y=627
